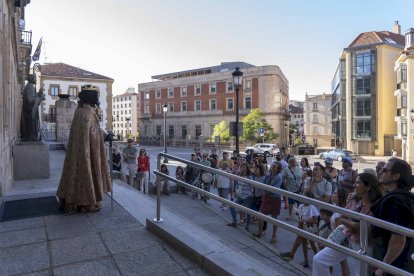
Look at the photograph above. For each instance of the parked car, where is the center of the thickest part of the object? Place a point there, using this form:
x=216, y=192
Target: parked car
x=337, y=154
x=266, y=149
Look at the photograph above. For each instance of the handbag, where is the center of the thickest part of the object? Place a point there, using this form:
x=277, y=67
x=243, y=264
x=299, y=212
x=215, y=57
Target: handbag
x=338, y=236
x=239, y=189
x=207, y=177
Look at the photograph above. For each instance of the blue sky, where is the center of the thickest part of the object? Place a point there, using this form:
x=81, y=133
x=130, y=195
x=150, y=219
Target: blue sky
x=132, y=40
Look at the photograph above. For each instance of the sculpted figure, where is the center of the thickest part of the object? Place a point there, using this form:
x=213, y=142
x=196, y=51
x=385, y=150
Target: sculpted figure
x=30, y=125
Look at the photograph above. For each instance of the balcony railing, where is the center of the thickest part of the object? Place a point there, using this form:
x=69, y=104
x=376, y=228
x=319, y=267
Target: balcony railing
x=26, y=37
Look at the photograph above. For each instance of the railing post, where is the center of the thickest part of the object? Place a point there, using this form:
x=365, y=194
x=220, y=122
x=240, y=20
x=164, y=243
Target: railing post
x=363, y=230
x=158, y=219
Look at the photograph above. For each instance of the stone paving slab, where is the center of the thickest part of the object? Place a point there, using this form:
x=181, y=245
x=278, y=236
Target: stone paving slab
x=24, y=259
x=22, y=237
x=103, y=267
x=103, y=243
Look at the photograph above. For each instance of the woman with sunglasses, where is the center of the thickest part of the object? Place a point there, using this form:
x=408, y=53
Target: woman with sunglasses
x=143, y=170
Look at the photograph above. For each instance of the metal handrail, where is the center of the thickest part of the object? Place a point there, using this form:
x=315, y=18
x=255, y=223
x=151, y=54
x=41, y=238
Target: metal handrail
x=364, y=219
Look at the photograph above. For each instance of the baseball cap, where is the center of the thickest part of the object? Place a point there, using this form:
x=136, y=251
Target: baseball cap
x=348, y=160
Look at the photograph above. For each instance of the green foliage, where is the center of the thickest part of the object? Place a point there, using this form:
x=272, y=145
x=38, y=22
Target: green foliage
x=222, y=130
x=298, y=141
x=251, y=124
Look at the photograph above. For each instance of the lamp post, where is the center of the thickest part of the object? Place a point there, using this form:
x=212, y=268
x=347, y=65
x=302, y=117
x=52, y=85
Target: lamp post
x=165, y=110
x=237, y=81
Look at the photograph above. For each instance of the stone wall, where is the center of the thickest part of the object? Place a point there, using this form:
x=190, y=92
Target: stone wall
x=11, y=84
x=65, y=110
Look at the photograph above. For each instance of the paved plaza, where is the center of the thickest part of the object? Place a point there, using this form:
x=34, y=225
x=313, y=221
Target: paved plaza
x=118, y=241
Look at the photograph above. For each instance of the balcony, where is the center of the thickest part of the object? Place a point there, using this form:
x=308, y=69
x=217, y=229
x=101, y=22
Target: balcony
x=26, y=38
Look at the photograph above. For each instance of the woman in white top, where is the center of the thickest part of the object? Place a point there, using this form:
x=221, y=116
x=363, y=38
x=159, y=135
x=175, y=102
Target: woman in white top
x=223, y=183
x=292, y=180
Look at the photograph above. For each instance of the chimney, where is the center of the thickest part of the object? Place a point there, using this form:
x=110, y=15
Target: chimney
x=396, y=28
x=409, y=38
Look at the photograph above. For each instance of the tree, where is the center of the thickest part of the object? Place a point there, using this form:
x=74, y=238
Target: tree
x=222, y=130
x=252, y=122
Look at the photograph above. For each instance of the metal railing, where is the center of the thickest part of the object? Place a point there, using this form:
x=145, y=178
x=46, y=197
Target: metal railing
x=26, y=37
x=364, y=219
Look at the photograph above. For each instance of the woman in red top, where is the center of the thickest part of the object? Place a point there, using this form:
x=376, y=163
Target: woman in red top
x=144, y=169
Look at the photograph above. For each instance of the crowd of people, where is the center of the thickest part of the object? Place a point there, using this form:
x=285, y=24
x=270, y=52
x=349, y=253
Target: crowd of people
x=383, y=192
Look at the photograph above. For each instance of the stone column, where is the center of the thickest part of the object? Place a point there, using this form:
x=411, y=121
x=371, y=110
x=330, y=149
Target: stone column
x=65, y=109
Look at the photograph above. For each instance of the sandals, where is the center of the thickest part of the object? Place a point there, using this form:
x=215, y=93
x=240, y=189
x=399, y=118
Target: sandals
x=273, y=240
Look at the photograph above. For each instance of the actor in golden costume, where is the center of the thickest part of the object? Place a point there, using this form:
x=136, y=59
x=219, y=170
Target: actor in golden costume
x=85, y=177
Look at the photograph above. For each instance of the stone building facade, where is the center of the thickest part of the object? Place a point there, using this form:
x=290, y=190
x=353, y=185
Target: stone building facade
x=317, y=111
x=15, y=49
x=61, y=78
x=125, y=114
x=404, y=93
x=198, y=99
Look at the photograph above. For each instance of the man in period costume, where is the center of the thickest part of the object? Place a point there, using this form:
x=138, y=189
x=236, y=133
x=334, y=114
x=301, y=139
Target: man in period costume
x=85, y=177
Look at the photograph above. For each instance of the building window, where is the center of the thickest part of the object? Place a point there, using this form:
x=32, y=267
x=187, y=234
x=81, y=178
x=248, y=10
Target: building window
x=183, y=91
x=363, y=85
x=402, y=74
x=158, y=130
x=170, y=132
x=314, y=118
x=197, y=130
x=158, y=94
x=146, y=95
x=183, y=106
x=247, y=84
x=158, y=108
x=170, y=92
x=315, y=130
x=146, y=108
x=183, y=131
x=230, y=86
x=229, y=104
x=54, y=90
x=213, y=88
x=363, y=63
x=213, y=104
x=170, y=107
x=315, y=106
x=197, y=105
x=363, y=129
x=363, y=107
x=197, y=91
x=73, y=91
x=248, y=102
x=122, y=112
x=404, y=128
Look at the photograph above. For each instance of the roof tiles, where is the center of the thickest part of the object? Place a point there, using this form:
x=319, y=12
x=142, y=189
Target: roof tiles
x=67, y=71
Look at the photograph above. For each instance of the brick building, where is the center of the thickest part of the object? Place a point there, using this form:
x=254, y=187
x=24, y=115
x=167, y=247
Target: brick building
x=198, y=99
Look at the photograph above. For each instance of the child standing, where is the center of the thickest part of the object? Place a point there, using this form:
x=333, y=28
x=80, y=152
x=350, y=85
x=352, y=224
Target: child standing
x=308, y=221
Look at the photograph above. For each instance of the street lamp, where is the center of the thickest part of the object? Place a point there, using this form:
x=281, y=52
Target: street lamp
x=165, y=110
x=237, y=81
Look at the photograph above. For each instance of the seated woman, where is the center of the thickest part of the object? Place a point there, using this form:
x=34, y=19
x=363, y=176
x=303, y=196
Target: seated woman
x=163, y=181
x=367, y=191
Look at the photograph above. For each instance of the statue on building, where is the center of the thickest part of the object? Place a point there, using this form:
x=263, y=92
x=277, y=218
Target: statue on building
x=30, y=124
